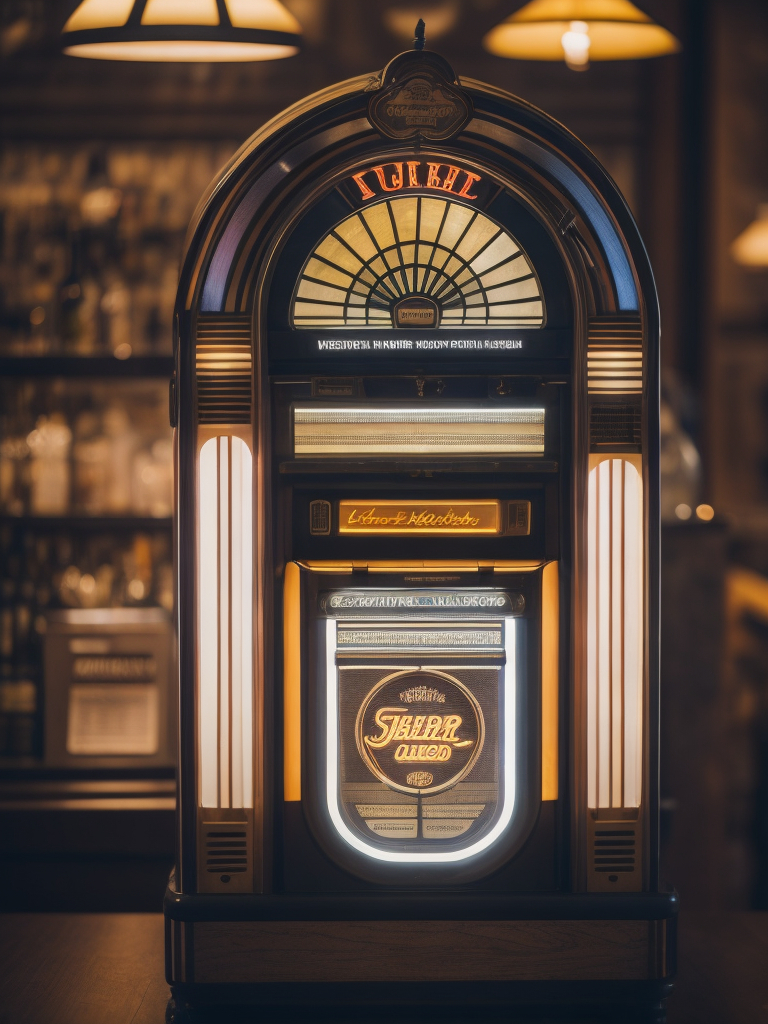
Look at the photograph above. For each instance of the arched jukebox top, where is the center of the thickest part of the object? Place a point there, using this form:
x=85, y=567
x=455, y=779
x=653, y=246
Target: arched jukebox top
x=447, y=236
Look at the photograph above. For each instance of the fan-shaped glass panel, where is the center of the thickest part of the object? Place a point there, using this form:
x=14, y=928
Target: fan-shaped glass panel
x=468, y=268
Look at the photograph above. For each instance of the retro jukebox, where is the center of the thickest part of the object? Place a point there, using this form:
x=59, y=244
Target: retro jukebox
x=416, y=410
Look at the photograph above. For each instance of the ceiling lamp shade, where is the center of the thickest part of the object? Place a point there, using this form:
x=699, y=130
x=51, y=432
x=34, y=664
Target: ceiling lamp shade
x=579, y=31
x=750, y=249
x=181, y=30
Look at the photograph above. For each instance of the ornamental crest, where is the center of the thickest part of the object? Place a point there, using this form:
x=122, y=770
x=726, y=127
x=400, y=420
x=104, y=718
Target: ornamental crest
x=418, y=98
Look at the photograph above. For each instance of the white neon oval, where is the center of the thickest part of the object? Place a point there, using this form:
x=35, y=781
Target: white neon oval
x=332, y=776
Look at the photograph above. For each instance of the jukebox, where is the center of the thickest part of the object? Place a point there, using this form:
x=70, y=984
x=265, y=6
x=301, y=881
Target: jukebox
x=416, y=411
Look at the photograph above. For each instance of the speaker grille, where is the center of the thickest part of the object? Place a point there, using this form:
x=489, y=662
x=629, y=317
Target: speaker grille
x=223, y=364
x=226, y=851
x=225, y=854
x=615, y=356
x=615, y=426
x=614, y=855
x=614, y=850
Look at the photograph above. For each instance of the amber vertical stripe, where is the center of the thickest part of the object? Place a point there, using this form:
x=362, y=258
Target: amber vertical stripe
x=550, y=642
x=292, y=682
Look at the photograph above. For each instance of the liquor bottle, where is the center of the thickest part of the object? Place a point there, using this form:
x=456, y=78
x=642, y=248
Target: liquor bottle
x=79, y=299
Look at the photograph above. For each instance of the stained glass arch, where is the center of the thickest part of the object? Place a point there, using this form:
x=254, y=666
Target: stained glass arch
x=468, y=267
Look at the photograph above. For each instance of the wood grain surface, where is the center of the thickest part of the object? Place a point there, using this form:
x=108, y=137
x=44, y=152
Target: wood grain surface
x=394, y=951
x=108, y=969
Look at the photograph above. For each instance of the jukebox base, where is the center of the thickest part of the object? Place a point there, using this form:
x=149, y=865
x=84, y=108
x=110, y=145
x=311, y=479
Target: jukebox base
x=438, y=950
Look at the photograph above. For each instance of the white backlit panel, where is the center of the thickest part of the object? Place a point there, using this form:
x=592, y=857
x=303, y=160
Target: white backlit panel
x=614, y=635
x=470, y=267
x=225, y=595
x=321, y=430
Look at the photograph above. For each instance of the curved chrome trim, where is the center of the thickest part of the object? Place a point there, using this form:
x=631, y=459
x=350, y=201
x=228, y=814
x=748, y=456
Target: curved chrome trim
x=214, y=286
x=584, y=198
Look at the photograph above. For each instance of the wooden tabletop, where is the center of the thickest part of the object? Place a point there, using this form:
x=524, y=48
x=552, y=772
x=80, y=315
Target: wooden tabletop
x=108, y=969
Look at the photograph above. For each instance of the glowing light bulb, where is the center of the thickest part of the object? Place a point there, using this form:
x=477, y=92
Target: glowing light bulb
x=576, y=43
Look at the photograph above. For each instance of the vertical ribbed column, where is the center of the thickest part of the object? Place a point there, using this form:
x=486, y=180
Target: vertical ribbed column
x=614, y=635
x=226, y=632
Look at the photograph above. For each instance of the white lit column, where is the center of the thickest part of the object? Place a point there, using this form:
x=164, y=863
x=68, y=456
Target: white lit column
x=614, y=634
x=225, y=588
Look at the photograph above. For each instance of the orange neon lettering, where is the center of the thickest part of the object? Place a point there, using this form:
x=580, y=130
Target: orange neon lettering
x=364, y=190
x=397, y=178
x=451, y=176
x=468, y=184
x=413, y=178
x=433, y=176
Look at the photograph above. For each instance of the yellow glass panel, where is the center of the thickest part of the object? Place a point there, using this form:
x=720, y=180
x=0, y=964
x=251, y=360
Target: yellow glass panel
x=99, y=14
x=404, y=212
x=317, y=309
x=409, y=256
x=332, y=250
x=451, y=266
x=550, y=643
x=264, y=14
x=180, y=12
x=292, y=683
x=466, y=278
x=522, y=290
x=423, y=271
x=330, y=274
x=377, y=219
x=353, y=232
x=518, y=310
x=432, y=211
x=457, y=267
x=501, y=248
x=519, y=267
x=482, y=231
x=321, y=292
x=456, y=221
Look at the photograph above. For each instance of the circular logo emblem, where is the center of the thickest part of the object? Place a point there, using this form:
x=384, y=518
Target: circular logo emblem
x=420, y=731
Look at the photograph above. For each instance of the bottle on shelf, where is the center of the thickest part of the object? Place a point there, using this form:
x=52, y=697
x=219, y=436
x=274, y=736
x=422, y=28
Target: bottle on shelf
x=50, y=473
x=79, y=302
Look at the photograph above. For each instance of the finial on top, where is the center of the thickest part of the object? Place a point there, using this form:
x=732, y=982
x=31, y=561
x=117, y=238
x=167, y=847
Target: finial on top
x=419, y=39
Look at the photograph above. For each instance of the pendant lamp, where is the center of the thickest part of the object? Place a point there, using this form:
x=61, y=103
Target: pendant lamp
x=750, y=249
x=579, y=31
x=182, y=30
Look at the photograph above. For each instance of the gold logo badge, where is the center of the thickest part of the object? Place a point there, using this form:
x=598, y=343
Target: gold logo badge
x=420, y=97
x=420, y=731
x=409, y=517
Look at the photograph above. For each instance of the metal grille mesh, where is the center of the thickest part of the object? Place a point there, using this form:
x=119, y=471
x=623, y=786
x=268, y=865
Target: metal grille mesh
x=223, y=365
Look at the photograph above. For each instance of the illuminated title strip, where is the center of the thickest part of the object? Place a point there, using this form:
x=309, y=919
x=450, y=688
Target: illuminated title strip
x=372, y=415
x=420, y=600
x=392, y=177
x=487, y=639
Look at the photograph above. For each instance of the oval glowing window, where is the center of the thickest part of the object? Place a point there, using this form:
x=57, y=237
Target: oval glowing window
x=417, y=261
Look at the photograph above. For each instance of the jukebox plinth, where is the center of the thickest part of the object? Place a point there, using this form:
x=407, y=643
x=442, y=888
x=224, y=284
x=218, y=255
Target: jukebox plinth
x=416, y=410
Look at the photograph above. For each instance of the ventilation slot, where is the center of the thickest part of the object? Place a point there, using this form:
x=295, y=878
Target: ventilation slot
x=226, y=853
x=223, y=364
x=225, y=856
x=615, y=356
x=615, y=427
x=614, y=854
x=614, y=851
